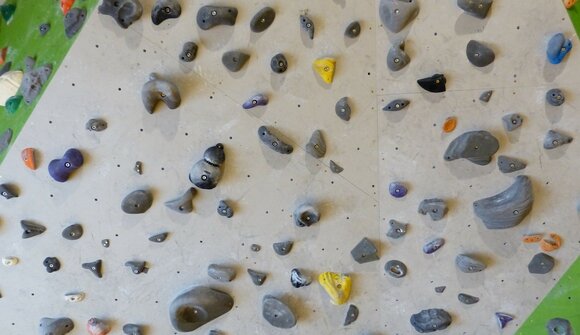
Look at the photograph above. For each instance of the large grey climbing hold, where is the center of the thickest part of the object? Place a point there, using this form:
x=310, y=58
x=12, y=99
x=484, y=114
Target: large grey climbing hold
x=5, y=139
x=31, y=229
x=396, y=105
x=183, y=204
x=211, y=16
x=198, y=306
x=273, y=142
x=278, y=63
x=158, y=238
x=477, y=8
x=467, y=299
x=73, y=232
x=137, y=267
x=397, y=58
x=316, y=146
x=73, y=21
x=137, y=202
x=8, y=191
x=352, y=30
x=44, y=28
x=396, y=14
x=512, y=121
x=258, y=278
x=510, y=164
x=364, y=252
x=306, y=215
x=34, y=78
x=277, y=313
x=559, y=326
x=235, y=60
x=508, y=208
x=541, y=263
x=125, y=12
x=283, y=248
x=157, y=89
x=165, y=9
x=95, y=267
x=469, y=264
x=431, y=320
x=96, y=125
x=436, y=208
x=486, y=96
x=262, y=20
x=188, y=52
x=207, y=172
x=133, y=329
x=335, y=168
x=221, y=272
x=299, y=278
x=555, y=97
x=342, y=109
x=479, y=54
x=224, y=209
x=396, y=269
x=397, y=229
x=307, y=26
x=555, y=139
x=60, y=326
x=476, y=146
x=351, y=315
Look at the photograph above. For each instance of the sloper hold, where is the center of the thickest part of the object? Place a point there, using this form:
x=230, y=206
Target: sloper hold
x=34, y=79
x=467, y=299
x=5, y=139
x=221, y=272
x=158, y=238
x=137, y=267
x=430, y=320
x=351, y=315
x=207, y=172
x=8, y=191
x=95, y=267
x=61, y=169
x=555, y=97
x=477, y=8
x=397, y=229
x=183, y=204
x=396, y=105
x=469, y=264
x=307, y=26
x=278, y=63
x=133, y=329
x=277, y=313
x=558, y=48
x=436, y=208
x=299, y=278
x=306, y=215
x=262, y=20
x=508, y=208
x=96, y=125
x=396, y=14
x=364, y=252
x=334, y=167
x=541, y=263
x=255, y=101
x=435, y=83
x=510, y=164
x=157, y=89
x=512, y=121
x=258, y=278
x=559, y=326
x=476, y=146
x=31, y=229
x=224, y=209
x=325, y=68
x=316, y=146
x=60, y=326
x=336, y=285
x=73, y=232
x=479, y=54
x=235, y=60
x=486, y=96
x=555, y=139
x=125, y=12
x=137, y=202
x=188, y=52
x=283, y=248
x=73, y=21
x=273, y=142
x=96, y=326
x=211, y=16
x=165, y=9
x=342, y=109
x=397, y=58
x=352, y=30
x=198, y=306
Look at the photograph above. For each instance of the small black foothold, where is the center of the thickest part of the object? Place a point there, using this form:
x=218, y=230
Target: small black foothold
x=440, y=289
x=52, y=264
x=255, y=247
x=435, y=83
x=188, y=52
x=351, y=315
x=353, y=30
x=106, y=243
x=44, y=28
x=94, y=267
x=8, y=191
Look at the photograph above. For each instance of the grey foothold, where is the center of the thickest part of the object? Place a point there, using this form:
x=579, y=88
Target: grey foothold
x=436, y=208
x=262, y=20
x=31, y=229
x=235, y=60
x=469, y=264
x=96, y=125
x=396, y=105
x=342, y=109
x=396, y=269
x=307, y=26
x=158, y=238
x=299, y=278
x=396, y=14
x=215, y=332
x=106, y=243
x=60, y=326
x=397, y=58
x=73, y=232
x=188, y=52
x=479, y=54
x=183, y=204
x=221, y=272
x=95, y=267
x=440, y=289
x=133, y=329
x=156, y=90
x=224, y=209
x=476, y=146
x=73, y=21
x=137, y=202
x=44, y=28
x=137, y=267
x=255, y=247
x=335, y=168
x=306, y=215
x=138, y=167
x=198, y=306
x=125, y=12
x=165, y=9
x=258, y=278
x=508, y=208
x=8, y=191
x=509, y=164
x=467, y=299
x=433, y=245
x=352, y=30
x=211, y=16
x=555, y=139
x=277, y=313
x=316, y=146
x=273, y=142
x=34, y=79
x=477, y=8
x=555, y=97
x=559, y=326
x=278, y=63
x=486, y=96
x=397, y=229
x=351, y=315
x=283, y=248
x=5, y=139
x=512, y=121
x=430, y=320
x=541, y=263
x=364, y=252
x=52, y=264
x=207, y=172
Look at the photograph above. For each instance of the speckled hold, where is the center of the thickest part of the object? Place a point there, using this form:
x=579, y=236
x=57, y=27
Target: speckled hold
x=435, y=83
x=283, y=248
x=52, y=264
x=235, y=60
x=396, y=269
x=34, y=79
x=5, y=139
x=476, y=146
x=396, y=105
x=207, y=172
x=397, y=229
x=365, y=251
x=436, y=208
x=486, y=96
x=60, y=326
x=221, y=272
x=273, y=142
x=188, y=52
x=397, y=189
x=479, y=54
x=224, y=209
x=258, y=278
x=431, y=320
x=133, y=329
x=541, y=263
x=183, y=204
x=31, y=229
x=62, y=168
x=96, y=125
x=211, y=16
x=467, y=299
x=164, y=10
x=198, y=306
x=97, y=326
x=352, y=30
x=44, y=28
x=469, y=264
x=555, y=139
x=334, y=167
x=73, y=21
x=477, y=8
x=299, y=279
x=397, y=58
x=95, y=267
x=342, y=109
x=8, y=191
x=277, y=313
x=307, y=26
x=510, y=164
x=137, y=202
x=558, y=47
x=137, y=267
x=157, y=89
x=555, y=97
x=503, y=319
x=351, y=315
x=278, y=63
x=433, y=245
x=125, y=12
x=559, y=326
x=512, y=121
x=316, y=146
x=396, y=14
x=255, y=101
x=138, y=167
x=73, y=232
x=262, y=20
x=158, y=238
x=306, y=215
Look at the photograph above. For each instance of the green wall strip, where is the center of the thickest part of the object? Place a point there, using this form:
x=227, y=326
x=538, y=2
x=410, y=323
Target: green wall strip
x=574, y=13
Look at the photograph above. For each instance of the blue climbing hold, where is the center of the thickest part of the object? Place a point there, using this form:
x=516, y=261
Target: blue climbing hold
x=558, y=48
x=503, y=319
x=397, y=189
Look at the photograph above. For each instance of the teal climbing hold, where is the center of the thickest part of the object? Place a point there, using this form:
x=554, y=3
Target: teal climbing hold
x=13, y=103
x=7, y=11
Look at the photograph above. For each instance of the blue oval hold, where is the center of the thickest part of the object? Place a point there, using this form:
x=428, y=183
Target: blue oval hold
x=255, y=100
x=558, y=48
x=397, y=190
x=433, y=245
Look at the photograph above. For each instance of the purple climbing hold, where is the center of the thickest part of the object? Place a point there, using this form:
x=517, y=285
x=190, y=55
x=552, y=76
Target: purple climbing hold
x=255, y=100
x=61, y=169
x=503, y=319
x=397, y=189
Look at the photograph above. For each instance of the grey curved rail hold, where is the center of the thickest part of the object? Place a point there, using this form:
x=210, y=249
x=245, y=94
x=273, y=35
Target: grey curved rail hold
x=508, y=208
x=258, y=278
x=73, y=232
x=164, y=10
x=430, y=320
x=477, y=8
x=479, y=54
x=277, y=313
x=188, y=52
x=43, y=28
x=559, y=326
x=207, y=172
x=59, y=326
x=554, y=139
x=396, y=14
x=352, y=30
x=434, y=84
x=183, y=204
x=158, y=238
x=273, y=142
x=283, y=248
x=397, y=58
x=8, y=191
x=512, y=121
x=279, y=63
x=5, y=139
x=299, y=278
x=555, y=97
x=397, y=229
x=469, y=264
x=334, y=167
x=133, y=329
x=476, y=146
x=95, y=267
x=74, y=20
x=364, y=252
x=224, y=209
x=433, y=245
x=31, y=229
x=306, y=215
x=221, y=272
x=235, y=60
x=137, y=267
x=197, y=307
x=342, y=109
x=307, y=26
x=351, y=315
x=435, y=207
x=316, y=146
x=137, y=202
x=96, y=125
x=541, y=263
x=156, y=90
x=125, y=12
x=486, y=96
x=52, y=264
x=262, y=20
x=396, y=269
x=211, y=16
x=34, y=79
x=508, y=164
x=467, y=299
x=396, y=105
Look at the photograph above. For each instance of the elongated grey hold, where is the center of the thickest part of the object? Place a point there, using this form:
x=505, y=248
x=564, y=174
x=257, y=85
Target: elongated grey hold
x=258, y=278
x=541, y=263
x=283, y=248
x=137, y=267
x=273, y=142
x=435, y=207
x=397, y=58
x=477, y=8
x=158, y=238
x=352, y=30
x=60, y=326
x=5, y=139
x=31, y=229
x=215, y=332
x=342, y=109
x=364, y=252
x=430, y=320
x=183, y=204
x=306, y=215
x=351, y=315
x=510, y=164
x=73, y=232
x=156, y=90
x=34, y=79
x=307, y=26
x=44, y=28
x=486, y=96
x=555, y=139
x=262, y=20
x=8, y=191
x=207, y=172
x=95, y=267
x=197, y=307
x=334, y=167
x=396, y=14
x=397, y=229
x=73, y=21
x=512, y=121
x=396, y=105
x=211, y=16
x=559, y=326
x=277, y=313
x=555, y=97
x=125, y=12
x=96, y=125
x=138, y=167
x=188, y=52
x=165, y=10
x=279, y=63
x=133, y=329
x=235, y=60
x=316, y=146
x=469, y=264
x=467, y=299
x=476, y=146
x=396, y=269
x=221, y=273
x=479, y=54
x=433, y=245
x=137, y=202
x=224, y=209
x=299, y=278
x=508, y=208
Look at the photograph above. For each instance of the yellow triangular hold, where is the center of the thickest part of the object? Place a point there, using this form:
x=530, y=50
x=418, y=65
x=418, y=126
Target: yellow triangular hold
x=325, y=68
x=336, y=285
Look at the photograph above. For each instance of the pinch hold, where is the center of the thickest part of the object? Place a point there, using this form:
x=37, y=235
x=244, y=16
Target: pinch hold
x=325, y=68
x=156, y=90
x=255, y=101
x=207, y=172
x=337, y=286
x=164, y=10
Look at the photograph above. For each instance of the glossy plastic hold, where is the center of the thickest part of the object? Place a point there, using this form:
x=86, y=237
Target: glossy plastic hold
x=235, y=60
x=503, y=319
x=9, y=261
x=211, y=16
x=258, y=278
x=337, y=286
x=188, y=52
x=316, y=146
x=512, y=121
x=183, y=204
x=396, y=105
x=137, y=267
x=43, y=28
x=450, y=124
x=221, y=272
x=207, y=172
x=510, y=164
x=396, y=269
x=224, y=209
x=352, y=30
x=397, y=189
x=397, y=58
x=467, y=299
x=31, y=229
x=325, y=68
x=551, y=243
x=351, y=315
x=74, y=297
x=97, y=326
x=365, y=251
x=559, y=326
x=277, y=313
x=307, y=26
x=476, y=146
x=434, y=84
x=125, y=12
x=164, y=10
x=558, y=48
x=396, y=14
x=96, y=125
x=62, y=168
x=5, y=139
x=137, y=202
x=133, y=329
x=430, y=320
x=433, y=245
x=262, y=20
x=486, y=96
x=198, y=306
x=95, y=267
x=283, y=248
x=299, y=278
x=479, y=54
x=60, y=326
x=52, y=264
x=477, y=8
x=273, y=142
x=34, y=79
x=158, y=238
x=73, y=21
x=8, y=191
x=469, y=264
x=278, y=63
x=255, y=101
x=13, y=103
x=334, y=167
x=73, y=232
x=541, y=263
x=532, y=238
x=436, y=208
x=342, y=109
x=306, y=215
x=157, y=89
x=397, y=229
x=555, y=97
x=555, y=139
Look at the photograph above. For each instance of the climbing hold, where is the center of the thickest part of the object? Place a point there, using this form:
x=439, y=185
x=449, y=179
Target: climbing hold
x=335, y=168
x=255, y=100
x=96, y=125
x=316, y=146
x=553, y=242
x=342, y=109
x=73, y=232
x=258, y=278
x=182, y=204
x=397, y=58
x=364, y=252
x=396, y=269
x=283, y=248
x=9, y=261
x=299, y=279
x=73, y=21
x=60, y=326
x=430, y=320
x=215, y=332
x=61, y=169
x=137, y=202
x=512, y=121
x=541, y=263
x=479, y=54
x=13, y=103
x=8, y=191
x=434, y=84
x=449, y=124
x=165, y=9
x=31, y=229
x=156, y=90
x=467, y=299
x=509, y=164
x=207, y=172
x=325, y=68
x=440, y=289
x=555, y=97
x=125, y=12
x=559, y=326
x=306, y=215
x=477, y=8
x=486, y=96
x=235, y=60
x=503, y=319
x=558, y=48
x=436, y=208
x=74, y=297
x=34, y=79
x=352, y=30
x=533, y=238
x=433, y=245
x=158, y=238
x=211, y=16
x=133, y=329
x=262, y=20
x=396, y=14
x=198, y=306
x=5, y=66
x=336, y=285
x=255, y=247
x=66, y=5
x=396, y=105
x=95, y=267
x=97, y=326
x=137, y=267
x=469, y=264
x=278, y=63
x=44, y=28
x=397, y=229
x=277, y=313
x=5, y=139
x=476, y=146
x=106, y=243
x=138, y=167
x=188, y=52
x=224, y=209
x=351, y=315
x=273, y=142
x=51, y=264
x=397, y=189
x=568, y=4
x=221, y=272
x=555, y=139
x=10, y=82
x=7, y=11
x=307, y=26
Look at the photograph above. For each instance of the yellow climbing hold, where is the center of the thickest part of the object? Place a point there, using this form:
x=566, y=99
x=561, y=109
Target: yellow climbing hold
x=336, y=285
x=325, y=68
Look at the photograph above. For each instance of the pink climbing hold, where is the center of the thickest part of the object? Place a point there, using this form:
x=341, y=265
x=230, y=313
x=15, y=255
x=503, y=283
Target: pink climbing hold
x=97, y=326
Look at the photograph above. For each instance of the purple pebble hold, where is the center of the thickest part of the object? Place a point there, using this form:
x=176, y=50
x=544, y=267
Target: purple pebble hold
x=433, y=245
x=61, y=169
x=255, y=100
x=397, y=190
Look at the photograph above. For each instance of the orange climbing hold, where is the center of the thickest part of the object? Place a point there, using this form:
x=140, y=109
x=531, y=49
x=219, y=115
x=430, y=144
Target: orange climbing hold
x=66, y=5
x=450, y=124
x=28, y=158
x=552, y=243
x=534, y=238
x=569, y=3
x=3, y=53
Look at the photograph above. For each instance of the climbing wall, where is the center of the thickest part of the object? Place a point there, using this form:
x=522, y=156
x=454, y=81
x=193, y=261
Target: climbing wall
x=102, y=77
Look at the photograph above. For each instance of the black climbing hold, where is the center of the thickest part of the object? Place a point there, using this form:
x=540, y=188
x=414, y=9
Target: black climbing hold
x=258, y=278
x=396, y=269
x=157, y=89
x=509, y=164
x=188, y=52
x=183, y=204
x=198, y=306
x=555, y=139
x=262, y=20
x=351, y=315
x=273, y=142
x=335, y=168
x=283, y=248
x=342, y=109
x=485, y=96
x=96, y=125
x=137, y=202
x=133, y=329
x=211, y=16
x=221, y=273
x=279, y=64
x=467, y=299
x=73, y=232
x=31, y=229
x=306, y=215
x=8, y=191
x=434, y=84
x=555, y=97
x=158, y=238
x=512, y=121
x=479, y=54
x=224, y=209
x=477, y=8
x=299, y=279
x=277, y=313
x=106, y=243
x=352, y=30
x=73, y=21
x=316, y=146
x=396, y=14
x=95, y=267
x=436, y=208
x=44, y=28
x=165, y=9
x=469, y=264
x=60, y=326
x=125, y=12
x=51, y=264
x=397, y=58
x=137, y=267
x=430, y=320
x=397, y=229
x=207, y=172
x=476, y=146
x=307, y=26
x=364, y=252
x=541, y=263
x=396, y=105
x=235, y=60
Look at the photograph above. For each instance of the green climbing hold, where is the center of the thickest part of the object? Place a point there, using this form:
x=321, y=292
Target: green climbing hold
x=7, y=10
x=13, y=103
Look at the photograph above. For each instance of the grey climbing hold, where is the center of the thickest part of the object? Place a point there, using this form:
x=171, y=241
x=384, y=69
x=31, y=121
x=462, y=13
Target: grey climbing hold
x=467, y=299
x=278, y=63
x=283, y=248
x=137, y=267
x=555, y=97
x=73, y=21
x=31, y=229
x=262, y=20
x=138, y=167
x=396, y=14
x=95, y=267
x=476, y=146
x=512, y=121
x=137, y=202
x=299, y=278
x=221, y=272
x=541, y=263
x=73, y=232
x=433, y=245
x=342, y=109
x=430, y=320
x=335, y=168
x=479, y=54
x=235, y=60
x=397, y=58
x=96, y=125
x=5, y=139
x=44, y=28
x=555, y=139
x=207, y=172
x=106, y=243
x=477, y=8
x=307, y=26
x=183, y=204
x=133, y=329
x=34, y=78
x=255, y=247
x=158, y=238
x=486, y=96
x=165, y=9
x=440, y=289
x=215, y=332
x=396, y=269
x=351, y=315
x=397, y=229
x=52, y=264
x=198, y=306
x=364, y=252
x=469, y=264
x=60, y=326
x=157, y=89
x=255, y=101
x=273, y=142
x=224, y=209
x=436, y=208
x=352, y=30
x=306, y=215
x=559, y=326
x=125, y=12
x=509, y=164
x=188, y=52
x=316, y=146
x=258, y=278
x=396, y=105
x=508, y=208
x=211, y=16
x=277, y=313
x=8, y=191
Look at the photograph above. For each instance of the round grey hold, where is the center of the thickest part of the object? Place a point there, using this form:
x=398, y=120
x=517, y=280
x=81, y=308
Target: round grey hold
x=262, y=20
x=278, y=63
x=342, y=109
x=396, y=269
x=479, y=54
x=132, y=329
x=224, y=209
x=96, y=125
x=137, y=202
x=277, y=313
x=541, y=263
x=353, y=30
x=73, y=232
x=60, y=326
x=555, y=97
